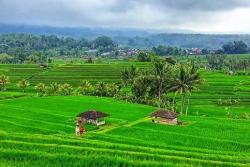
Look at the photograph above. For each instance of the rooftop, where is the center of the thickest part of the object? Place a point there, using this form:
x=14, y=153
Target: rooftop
x=164, y=114
x=92, y=114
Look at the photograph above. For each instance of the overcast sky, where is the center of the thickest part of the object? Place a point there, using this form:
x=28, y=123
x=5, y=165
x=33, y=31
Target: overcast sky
x=209, y=16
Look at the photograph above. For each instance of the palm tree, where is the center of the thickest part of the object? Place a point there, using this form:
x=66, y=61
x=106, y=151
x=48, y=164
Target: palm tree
x=54, y=88
x=128, y=75
x=101, y=89
x=160, y=73
x=66, y=89
x=23, y=84
x=125, y=76
x=40, y=88
x=186, y=81
x=85, y=88
x=132, y=73
x=112, y=89
x=3, y=81
x=141, y=86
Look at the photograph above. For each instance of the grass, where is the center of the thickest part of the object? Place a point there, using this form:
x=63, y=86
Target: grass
x=39, y=131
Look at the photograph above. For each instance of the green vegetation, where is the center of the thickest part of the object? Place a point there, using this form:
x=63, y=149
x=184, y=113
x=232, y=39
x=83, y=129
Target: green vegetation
x=23, y=48
x=38, y=129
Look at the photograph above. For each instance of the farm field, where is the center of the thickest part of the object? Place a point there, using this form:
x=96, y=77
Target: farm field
x=37, y=131
x=72, y=74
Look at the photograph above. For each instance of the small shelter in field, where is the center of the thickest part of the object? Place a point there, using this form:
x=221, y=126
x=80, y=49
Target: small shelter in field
x=165, y=117
x=43, y=65
x=93, y=117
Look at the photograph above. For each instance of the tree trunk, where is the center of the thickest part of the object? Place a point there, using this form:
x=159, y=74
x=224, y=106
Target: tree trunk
x=159, y=92
x=173, y=103
x=188, y=100
x=182, y=102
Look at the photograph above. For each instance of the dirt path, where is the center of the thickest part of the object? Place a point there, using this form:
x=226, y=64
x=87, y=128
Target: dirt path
x=107, y=129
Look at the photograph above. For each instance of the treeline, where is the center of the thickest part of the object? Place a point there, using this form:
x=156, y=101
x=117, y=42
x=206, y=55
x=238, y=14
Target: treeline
x=84, y=88
x=183, y=40
x=162, y=50
x=152, y=86
x=228, y=63
x=235, y=47
x=18, y=48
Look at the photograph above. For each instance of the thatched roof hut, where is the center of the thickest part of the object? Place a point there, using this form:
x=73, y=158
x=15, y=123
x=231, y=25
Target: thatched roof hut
x=93, y=117
x=164, y=116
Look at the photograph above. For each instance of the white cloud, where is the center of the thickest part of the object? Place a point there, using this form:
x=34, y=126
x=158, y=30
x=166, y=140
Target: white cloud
x=214, y=16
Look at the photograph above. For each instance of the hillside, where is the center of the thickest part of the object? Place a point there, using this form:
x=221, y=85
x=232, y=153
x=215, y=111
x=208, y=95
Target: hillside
x=40, y=130
x=210, y=41
x=133, y=37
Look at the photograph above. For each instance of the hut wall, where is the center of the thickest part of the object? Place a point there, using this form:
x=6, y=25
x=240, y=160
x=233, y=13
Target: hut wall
x=169, y=121
x=165, y=121
x=95, y=122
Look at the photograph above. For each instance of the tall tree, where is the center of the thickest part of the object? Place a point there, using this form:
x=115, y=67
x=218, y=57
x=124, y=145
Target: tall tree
x=128, y=75
x=236, y=47
x=141, y=86
x=160, y=76
x=183, y=84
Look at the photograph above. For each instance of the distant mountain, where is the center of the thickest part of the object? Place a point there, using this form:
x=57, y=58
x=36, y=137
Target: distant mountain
x=184, y=40
x=76, y=32
x=132, y=37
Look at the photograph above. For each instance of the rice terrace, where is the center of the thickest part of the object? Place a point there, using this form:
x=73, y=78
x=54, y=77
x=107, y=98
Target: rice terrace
x=114, y=84
x=40, y=130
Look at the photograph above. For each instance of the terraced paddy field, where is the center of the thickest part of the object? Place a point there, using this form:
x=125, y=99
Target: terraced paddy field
x=39, y=131
x=71, y=74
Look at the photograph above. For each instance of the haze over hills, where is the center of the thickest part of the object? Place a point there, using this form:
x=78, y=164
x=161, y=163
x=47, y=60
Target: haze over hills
x=133, y=37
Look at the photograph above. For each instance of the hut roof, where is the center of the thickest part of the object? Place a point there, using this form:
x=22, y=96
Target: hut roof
x=92, y=114
x=43, y=65
x=164, y=114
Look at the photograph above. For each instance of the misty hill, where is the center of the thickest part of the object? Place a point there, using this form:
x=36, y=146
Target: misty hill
x=77, y=32
x=132, y=37
x=183, y=40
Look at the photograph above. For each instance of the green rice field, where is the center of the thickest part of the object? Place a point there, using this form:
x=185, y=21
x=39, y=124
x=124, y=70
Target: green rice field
x=39, y=131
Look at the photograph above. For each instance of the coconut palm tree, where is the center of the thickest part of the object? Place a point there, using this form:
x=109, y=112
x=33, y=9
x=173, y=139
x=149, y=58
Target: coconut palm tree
x=125, y=76
x=112, y=89
x=23, y=84
x=141, y=86
x=66, y=89
x=54, y=88
x=160, y=71
x=183, y=84
x=85, y=88
x=3, y=81
x=40, y=88
x=128, y=75
x=101, y=89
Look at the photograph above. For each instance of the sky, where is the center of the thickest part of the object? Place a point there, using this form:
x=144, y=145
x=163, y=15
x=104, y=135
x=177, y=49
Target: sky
x=201, y=16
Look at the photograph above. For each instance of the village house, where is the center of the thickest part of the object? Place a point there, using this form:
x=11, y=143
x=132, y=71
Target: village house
x=93, y=117
x=165, y=117
x=194, y=51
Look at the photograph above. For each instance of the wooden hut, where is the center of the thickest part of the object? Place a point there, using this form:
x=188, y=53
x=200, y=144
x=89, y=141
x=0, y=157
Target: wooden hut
x=165, y=117
x=43, y=65
x=93, y=117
